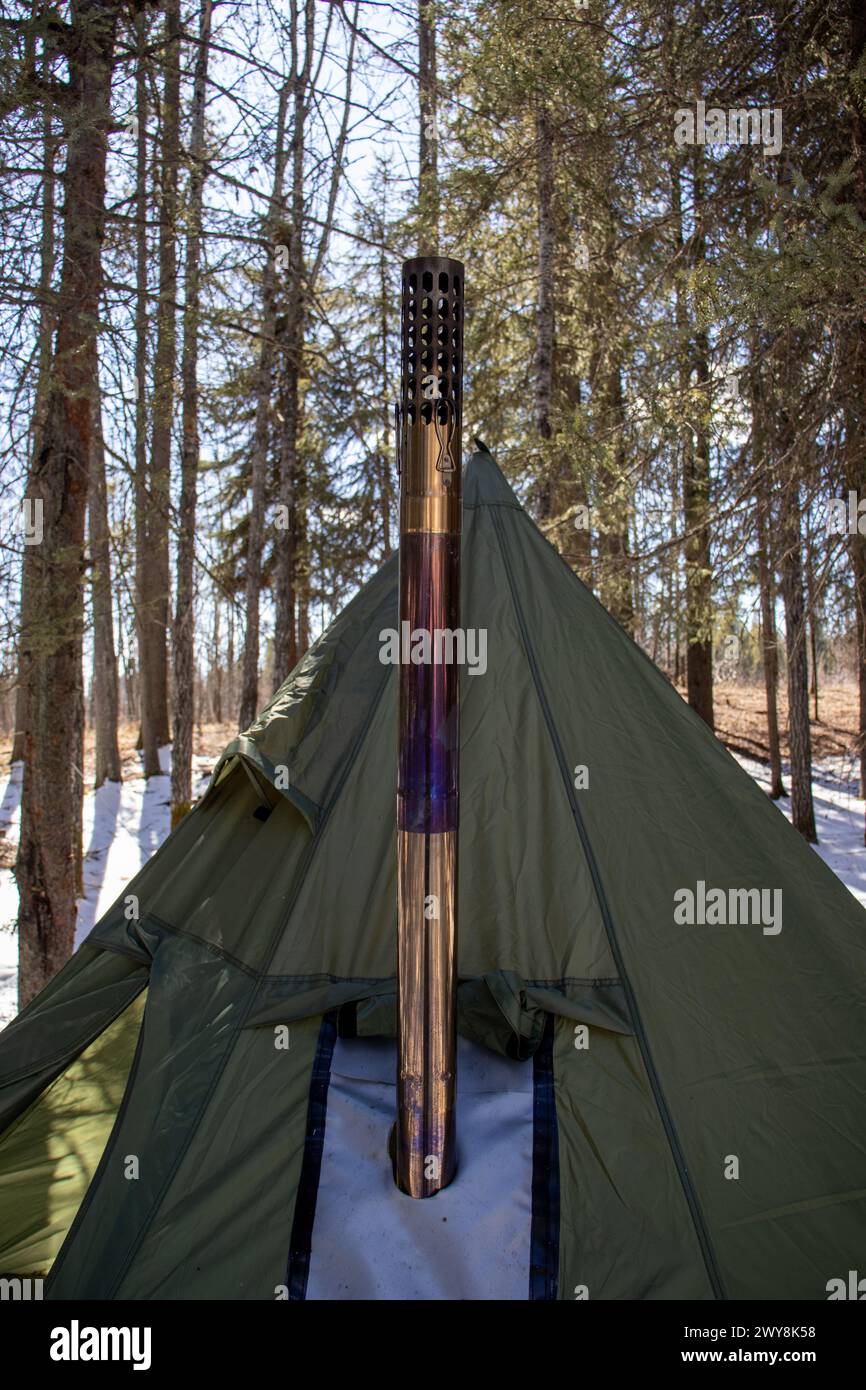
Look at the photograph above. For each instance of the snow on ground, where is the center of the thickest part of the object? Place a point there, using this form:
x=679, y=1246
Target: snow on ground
x=838, y=816
x=125, y=822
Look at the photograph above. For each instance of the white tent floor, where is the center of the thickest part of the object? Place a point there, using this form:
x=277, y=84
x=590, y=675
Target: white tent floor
x=371, y=1241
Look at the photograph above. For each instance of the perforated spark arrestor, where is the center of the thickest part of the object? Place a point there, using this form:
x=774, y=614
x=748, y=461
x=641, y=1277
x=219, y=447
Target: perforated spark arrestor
x=430, y=410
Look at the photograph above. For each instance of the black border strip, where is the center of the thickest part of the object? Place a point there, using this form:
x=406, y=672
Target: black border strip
x=544, y=1237
x=691, y=1196
x=301, y=1242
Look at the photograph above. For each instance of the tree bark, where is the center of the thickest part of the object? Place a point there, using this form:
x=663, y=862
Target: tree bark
x=47, y=261
x=814, y=626
x=698, y=565
x=613, y=543
x=261, y=435
x=769, y=641
x=612, y=511
x=428, y=142
x=154, y=604
x=855, y=411
x=51, y=795
x=291, y=632
x=799, y=733
x=857, y=551
x=289, y=537
x=230, y=662
x=142, y=479
x=545, y=312
x=216, y=665
x=385, y=463
x=184, y=618
x=105, y=696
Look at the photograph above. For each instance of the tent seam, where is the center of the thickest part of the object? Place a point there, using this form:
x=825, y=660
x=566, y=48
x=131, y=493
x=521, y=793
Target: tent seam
x=677, y=1154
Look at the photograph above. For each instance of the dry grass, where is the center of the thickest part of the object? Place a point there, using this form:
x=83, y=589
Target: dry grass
x=741, y=719
x=209, y=740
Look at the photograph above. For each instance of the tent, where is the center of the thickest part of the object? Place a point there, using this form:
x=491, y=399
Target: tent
x=661, y=1000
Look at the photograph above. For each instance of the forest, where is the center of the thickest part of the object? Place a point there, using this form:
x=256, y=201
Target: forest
x=204, y=209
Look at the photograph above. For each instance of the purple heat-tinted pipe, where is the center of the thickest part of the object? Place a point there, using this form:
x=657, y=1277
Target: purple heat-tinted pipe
x=429, y=694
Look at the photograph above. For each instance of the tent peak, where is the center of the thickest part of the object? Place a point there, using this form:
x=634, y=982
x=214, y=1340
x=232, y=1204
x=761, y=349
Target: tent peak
x=484, y=483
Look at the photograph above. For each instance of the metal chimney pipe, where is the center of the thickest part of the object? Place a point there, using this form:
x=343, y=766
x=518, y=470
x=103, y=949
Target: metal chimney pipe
x=429, y=419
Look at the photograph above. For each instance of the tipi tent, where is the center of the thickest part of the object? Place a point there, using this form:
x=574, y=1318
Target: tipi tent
x=661, y=1000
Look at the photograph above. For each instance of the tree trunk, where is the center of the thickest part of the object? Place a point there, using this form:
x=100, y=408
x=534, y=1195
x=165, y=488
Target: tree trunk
x=857, y=551
x=696, y=466
x=249, y=707
x=230, y=661
x=184, y=619
x=50, y=805
x=153, y=657
x=428, y=143
x=799, y=733
x=292, y=598
x=699, y=575
x=545, y=323
x=814, y=626
x=47, y=261
x=386, y=463
x=292, y=476
x=216, y=665
x=142, y=480
x=105, y=698
x=769, y=643
x=855, y=413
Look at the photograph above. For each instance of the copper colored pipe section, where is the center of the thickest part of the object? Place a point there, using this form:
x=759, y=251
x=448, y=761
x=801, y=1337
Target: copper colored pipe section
x=429, y=464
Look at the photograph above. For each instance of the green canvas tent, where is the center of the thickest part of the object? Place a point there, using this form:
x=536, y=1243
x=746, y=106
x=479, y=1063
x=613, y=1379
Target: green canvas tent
x=662, y=1000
